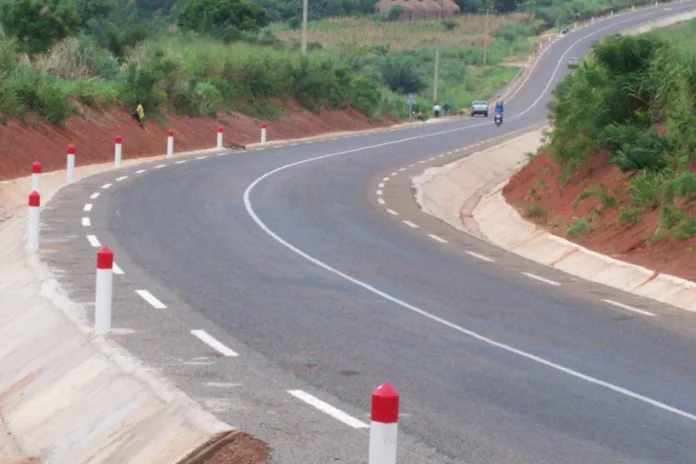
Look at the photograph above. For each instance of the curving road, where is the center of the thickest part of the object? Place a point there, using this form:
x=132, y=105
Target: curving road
x=286, y=256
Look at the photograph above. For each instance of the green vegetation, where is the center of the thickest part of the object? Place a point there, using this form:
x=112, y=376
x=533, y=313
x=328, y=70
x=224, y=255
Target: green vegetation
x=634, y=100
x=207, y=57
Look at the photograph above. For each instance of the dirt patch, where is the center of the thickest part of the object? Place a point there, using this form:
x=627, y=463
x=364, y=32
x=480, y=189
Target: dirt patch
x=93, y=133
x=245, y=449
x=540, y=197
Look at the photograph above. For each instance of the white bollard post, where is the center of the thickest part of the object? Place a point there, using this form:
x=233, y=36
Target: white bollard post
x=33, y=222
x=384, y=425
x=611, y=13
x=118, y=151
x=219, y=137
x=71, y=163
x=170, y=143
x=36, y=176
x=104, y=291
x=263, y=132
x=592, y=20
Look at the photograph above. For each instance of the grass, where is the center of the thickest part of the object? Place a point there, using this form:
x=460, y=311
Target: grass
x=578, y=228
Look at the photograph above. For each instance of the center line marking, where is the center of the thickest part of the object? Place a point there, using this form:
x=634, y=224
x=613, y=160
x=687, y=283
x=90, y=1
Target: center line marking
x=88, y=207
x=392, y=212
x=439, y=239
x=149, y=297
x=379, y=193
x=328, y=409
x=410, y=224
x=481, y=257
x=93, y=240
x=201, y=157
x=381, y=185
x=86, y=222
x=140, y=171
x=385, y=179
x=160, y=166
x=119, y=179
x=629, y=308
x=381, y=201
x=94, y=196
x=180, y=162
x=209, y=340
x=540, y=279
x=106, y=186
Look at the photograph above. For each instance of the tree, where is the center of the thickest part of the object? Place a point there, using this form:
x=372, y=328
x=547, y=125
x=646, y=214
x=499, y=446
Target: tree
x=224, y=19
x=38, y=24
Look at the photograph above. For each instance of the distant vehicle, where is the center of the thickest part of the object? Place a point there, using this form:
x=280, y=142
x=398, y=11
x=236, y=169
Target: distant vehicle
x=479, y=107
x=573, y=62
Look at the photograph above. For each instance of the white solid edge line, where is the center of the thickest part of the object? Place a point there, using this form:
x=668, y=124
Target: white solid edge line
x=106, y=186
x=86, y=222
x=427, y=315
x=87, y=207
x=212, y=342
x=479, y=256
x=117, y=270
x=92, y=239
x=94, y=196
x=541, y=279
x=629, y=308
x=328, y=409
x=410, y=224
x=439, y=239
x=150, y=298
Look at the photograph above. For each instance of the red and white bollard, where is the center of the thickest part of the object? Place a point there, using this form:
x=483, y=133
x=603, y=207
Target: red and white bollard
x=263, y=132
x=219, y=137
x=170, y=143
x=33, y=222
x=71, y=163
x=36, y=176
x=118, y=151
x=383, y=425
x=104, y=291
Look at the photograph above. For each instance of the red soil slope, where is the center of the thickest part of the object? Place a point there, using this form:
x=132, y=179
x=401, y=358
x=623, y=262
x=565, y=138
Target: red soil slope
x=93, y=135
x=537, y=183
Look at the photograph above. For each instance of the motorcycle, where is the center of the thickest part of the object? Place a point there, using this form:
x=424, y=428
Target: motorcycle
x=498, y=119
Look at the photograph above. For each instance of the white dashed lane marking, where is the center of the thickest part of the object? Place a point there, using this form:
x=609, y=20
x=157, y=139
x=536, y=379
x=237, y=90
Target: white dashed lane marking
x=140, y=171
x=160, y=166
x=629, y=308
x=328, y=409
x=94, y=196
x=381, y=201
x=93, y=240
x=180, y=162
x=410, y=224
x=87, y=207
x=379, y=193
x=541, y=279
x=212, y=342
x=150, y=298
x=106, y=186
x=481, y=257
x=86, y=222
x=436, y=238
x=392, y=212
x=201, y=157
x=119, y=179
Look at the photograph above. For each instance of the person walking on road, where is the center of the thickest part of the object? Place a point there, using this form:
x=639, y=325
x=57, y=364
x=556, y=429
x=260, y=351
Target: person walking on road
x=436, y=110
x=446, y=108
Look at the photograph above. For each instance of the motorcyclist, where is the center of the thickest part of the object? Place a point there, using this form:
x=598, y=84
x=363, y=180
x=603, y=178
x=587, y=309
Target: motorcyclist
x=499, y=110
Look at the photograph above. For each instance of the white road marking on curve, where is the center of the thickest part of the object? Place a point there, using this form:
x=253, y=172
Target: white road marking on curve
x=541, y=279
x=150, y=298
x=326, y=408
x=629, y=308
x=212, y=342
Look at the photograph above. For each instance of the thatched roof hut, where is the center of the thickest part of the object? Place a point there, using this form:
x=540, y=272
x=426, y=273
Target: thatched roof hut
x=449, y=9
x=433, y=9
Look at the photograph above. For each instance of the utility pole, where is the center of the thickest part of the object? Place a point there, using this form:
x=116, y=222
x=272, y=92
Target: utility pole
x=485, y=38
x=437, y=71
x=305, y=7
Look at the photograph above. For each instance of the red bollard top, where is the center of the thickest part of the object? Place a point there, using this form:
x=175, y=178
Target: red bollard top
x=220, y=129
x=105, y=258
x=34, y=199
x=119, y=139
x=171, y=132
x=385, y=404
x=263, y=125
x=36, y=167
x=71, y=149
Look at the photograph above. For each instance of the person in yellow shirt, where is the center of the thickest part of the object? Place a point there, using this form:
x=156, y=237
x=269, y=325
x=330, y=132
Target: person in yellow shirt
x=139, y=115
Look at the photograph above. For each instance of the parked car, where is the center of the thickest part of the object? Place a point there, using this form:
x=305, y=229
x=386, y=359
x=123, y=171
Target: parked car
x=573, y=62
x=479, y=107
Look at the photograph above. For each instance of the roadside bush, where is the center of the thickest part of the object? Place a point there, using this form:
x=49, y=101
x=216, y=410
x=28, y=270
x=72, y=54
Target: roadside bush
x=578, y=228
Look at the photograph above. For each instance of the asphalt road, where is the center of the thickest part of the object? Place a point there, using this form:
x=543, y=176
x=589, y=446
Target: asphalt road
x=288, y=257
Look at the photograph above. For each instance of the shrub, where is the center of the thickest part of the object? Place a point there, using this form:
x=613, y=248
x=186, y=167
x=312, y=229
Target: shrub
x=579, y=227
x=401, y=77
